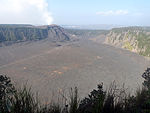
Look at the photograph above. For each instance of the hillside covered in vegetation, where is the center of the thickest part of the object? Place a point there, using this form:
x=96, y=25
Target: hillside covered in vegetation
x=135, y=39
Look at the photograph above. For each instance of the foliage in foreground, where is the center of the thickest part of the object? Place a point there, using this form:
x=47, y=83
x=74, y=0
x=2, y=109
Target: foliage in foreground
x=114, y=100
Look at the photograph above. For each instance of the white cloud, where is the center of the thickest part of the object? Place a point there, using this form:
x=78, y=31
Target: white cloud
x=112, y=13
x=24, y=12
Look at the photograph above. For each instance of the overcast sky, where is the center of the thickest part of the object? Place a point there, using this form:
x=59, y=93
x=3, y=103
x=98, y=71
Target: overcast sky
x=75, y=12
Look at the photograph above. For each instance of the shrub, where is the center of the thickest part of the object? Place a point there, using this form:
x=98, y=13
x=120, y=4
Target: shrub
x=74, y=100
x=94, y=102
x=146, y=76
x=23, y=101
x=6, y=92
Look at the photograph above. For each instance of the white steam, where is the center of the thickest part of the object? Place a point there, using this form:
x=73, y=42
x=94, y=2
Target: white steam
x=24, y=12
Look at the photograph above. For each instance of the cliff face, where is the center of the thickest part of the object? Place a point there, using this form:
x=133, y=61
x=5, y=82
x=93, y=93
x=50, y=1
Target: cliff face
x=135, y=39
x=57, y=33
x=15, y=33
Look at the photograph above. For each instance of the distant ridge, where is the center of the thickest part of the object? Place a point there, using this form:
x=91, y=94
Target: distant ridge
x=92, y=27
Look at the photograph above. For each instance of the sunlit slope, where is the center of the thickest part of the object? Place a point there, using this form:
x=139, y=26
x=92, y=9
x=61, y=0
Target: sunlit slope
x=135, y=39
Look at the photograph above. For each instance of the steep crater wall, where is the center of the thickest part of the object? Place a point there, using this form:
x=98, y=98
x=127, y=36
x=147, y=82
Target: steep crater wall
x=135, y=39
x=19, y=33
